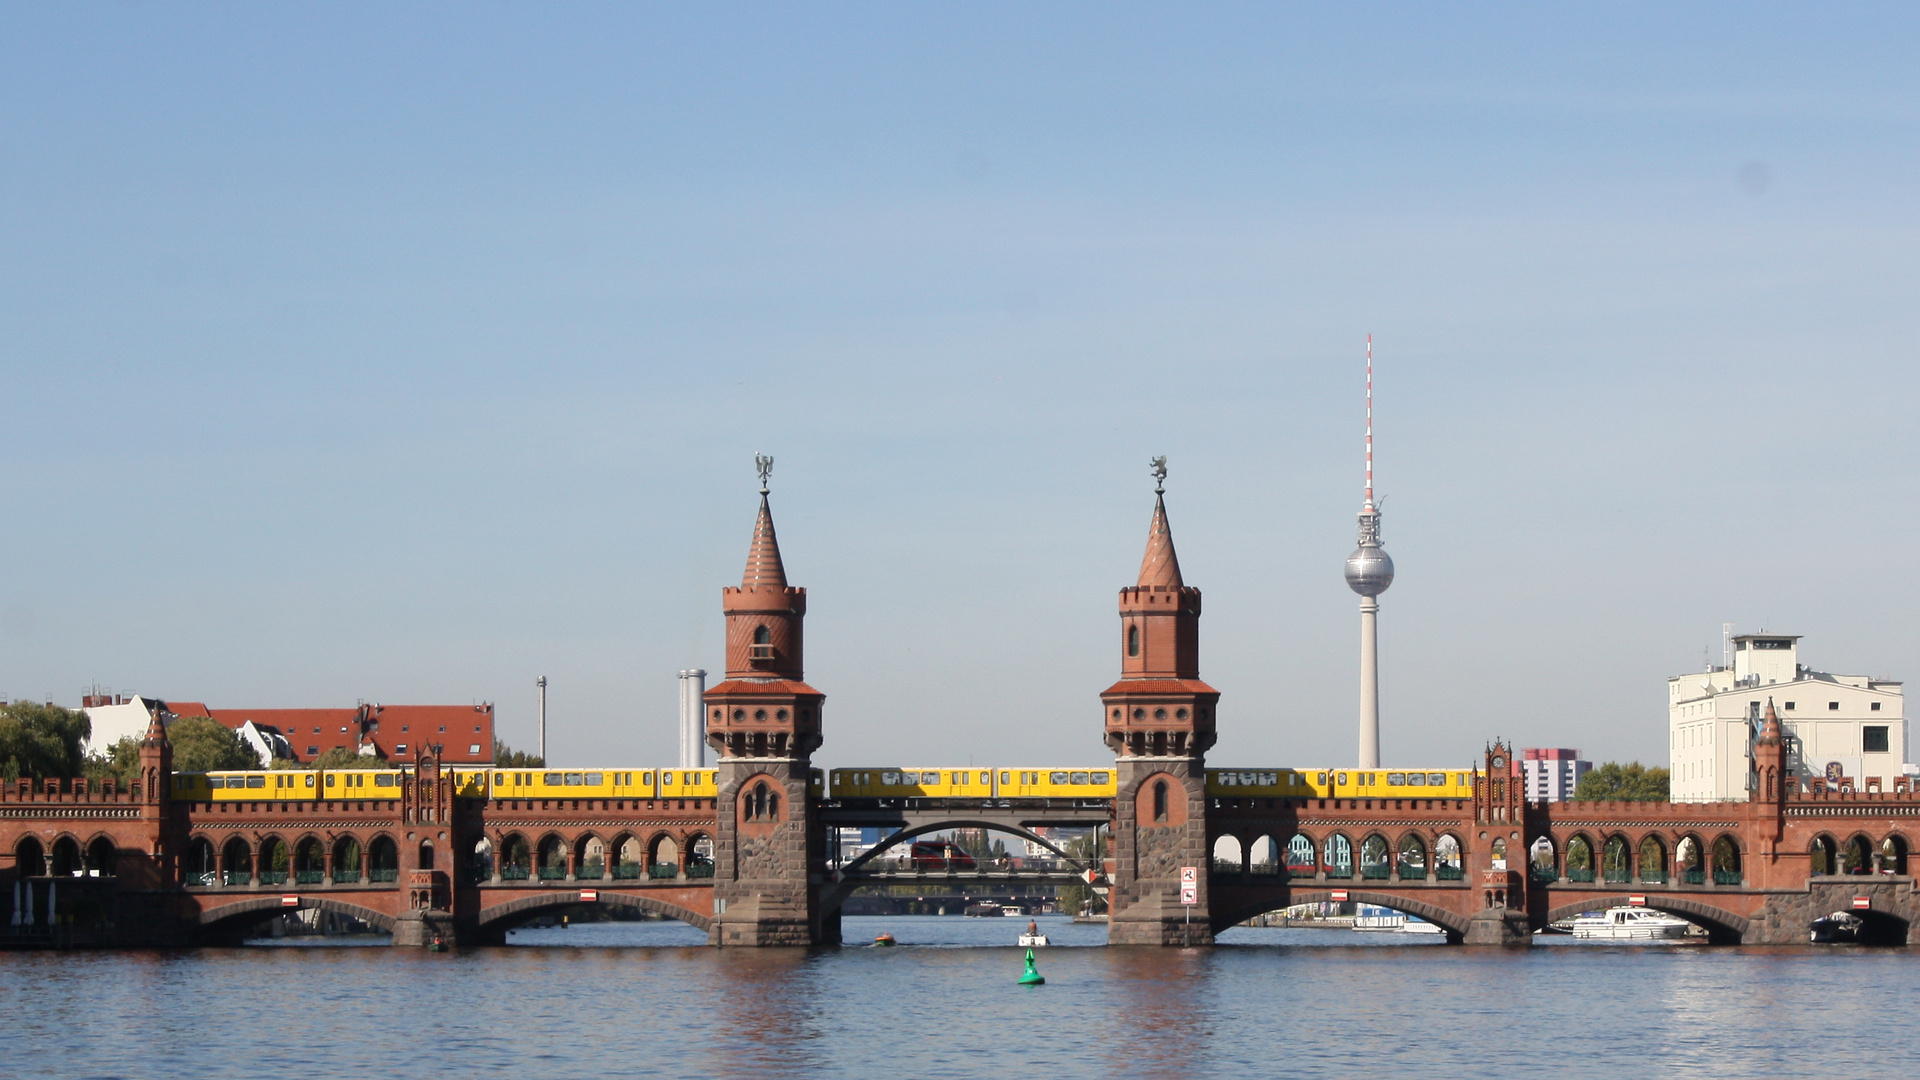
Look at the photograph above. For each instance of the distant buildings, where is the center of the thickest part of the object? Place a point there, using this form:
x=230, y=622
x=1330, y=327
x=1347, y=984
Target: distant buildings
x=463, y=732
x=1841, y=729
x=1552, y=774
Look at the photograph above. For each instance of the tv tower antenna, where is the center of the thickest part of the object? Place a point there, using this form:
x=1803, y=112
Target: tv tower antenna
x=1369, y=421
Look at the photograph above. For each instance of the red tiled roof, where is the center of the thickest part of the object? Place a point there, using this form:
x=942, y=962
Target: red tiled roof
x=757, y=686
x=312, y=732
x=1160, y=566
x=187, y=708
x=1158, y=686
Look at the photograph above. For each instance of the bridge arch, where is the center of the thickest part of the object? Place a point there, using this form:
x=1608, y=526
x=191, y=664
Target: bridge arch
x=502, y=917
x=1453, y=923
x=1723, y=926
x=235, y=916
x=917, y=831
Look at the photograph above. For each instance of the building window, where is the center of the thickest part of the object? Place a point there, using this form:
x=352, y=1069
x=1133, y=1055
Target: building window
x=1789, y=706
x=1159, y=800
x=1873, y=739
x=1833, y=706
x=1874, y=706
x=1133, y=641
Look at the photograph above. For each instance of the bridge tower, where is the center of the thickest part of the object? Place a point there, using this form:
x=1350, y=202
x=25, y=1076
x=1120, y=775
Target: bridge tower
x=763, y=723
x=1159, y=724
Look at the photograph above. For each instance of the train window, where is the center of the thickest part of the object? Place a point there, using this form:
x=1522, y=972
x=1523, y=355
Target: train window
x=387, y=780
x=1397, y=779
x=553, y=779
x=666, y=778
x=646, y=778
x=1266, y=778
x=1057, y=778
x=309, y=779
x=1030, y=778
x=1006, y=778
x=216, y=781
x=1079, y=778
x=256, y=781
x=1099, y=778
x=499, y=778
x=890, y=779
x=1437, y=779
x=1340, y=778
x=593, y=779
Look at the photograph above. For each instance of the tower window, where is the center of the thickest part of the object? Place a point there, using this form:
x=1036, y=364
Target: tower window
x=1159, y=800
x=762, y=636
x=1133, y=641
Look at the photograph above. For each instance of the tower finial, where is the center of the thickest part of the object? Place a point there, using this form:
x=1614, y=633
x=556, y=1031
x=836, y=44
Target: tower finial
x=764, y=463
x=1158, y=466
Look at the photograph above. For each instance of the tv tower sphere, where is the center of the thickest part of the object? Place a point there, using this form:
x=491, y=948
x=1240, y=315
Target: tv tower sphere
x=1370, y=568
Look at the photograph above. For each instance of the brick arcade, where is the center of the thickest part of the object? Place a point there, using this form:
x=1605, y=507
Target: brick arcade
x=109, y=862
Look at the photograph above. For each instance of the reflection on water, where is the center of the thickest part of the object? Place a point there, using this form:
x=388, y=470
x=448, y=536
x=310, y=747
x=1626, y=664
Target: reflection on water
x=651, y=999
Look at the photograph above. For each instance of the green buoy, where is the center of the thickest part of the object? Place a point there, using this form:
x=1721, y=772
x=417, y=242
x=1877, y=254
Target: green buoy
x=1032, y=976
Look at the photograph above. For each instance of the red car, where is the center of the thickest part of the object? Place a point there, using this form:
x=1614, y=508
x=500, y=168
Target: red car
x=940, y=855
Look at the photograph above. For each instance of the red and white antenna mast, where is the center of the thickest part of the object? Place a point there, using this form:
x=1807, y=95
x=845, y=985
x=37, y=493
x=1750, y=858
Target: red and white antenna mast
x=1369, y=421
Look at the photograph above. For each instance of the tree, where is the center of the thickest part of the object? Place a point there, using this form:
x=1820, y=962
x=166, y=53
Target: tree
x=120, y=761
x=508, y=758
x=42, y=740
x=1070, y=899
x=203, y=744
x=342, y=758
x=1632, y=782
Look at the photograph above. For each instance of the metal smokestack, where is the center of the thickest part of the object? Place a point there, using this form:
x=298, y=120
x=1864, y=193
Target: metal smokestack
x=693, y=718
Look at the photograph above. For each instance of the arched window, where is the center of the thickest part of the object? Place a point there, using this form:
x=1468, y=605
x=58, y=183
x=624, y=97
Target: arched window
x=29, y=859
x=1579, y=859
x=1133, y=641
x=763, y=636
x=1338, y=856
x=761, y=803
x=1821, y=856
x=1300, y=860
x=1159, y=800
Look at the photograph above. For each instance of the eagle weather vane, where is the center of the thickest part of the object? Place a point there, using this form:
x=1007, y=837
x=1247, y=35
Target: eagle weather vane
x=1158, y=466
x=764, y=463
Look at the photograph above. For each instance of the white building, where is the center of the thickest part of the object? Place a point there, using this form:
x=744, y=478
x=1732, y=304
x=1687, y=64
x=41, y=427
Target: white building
x=1552, y=773
x=1844, y=728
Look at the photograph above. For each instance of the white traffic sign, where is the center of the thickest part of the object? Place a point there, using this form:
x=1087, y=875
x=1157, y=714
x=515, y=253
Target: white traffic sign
x=1190, y=894
x=1189, y=875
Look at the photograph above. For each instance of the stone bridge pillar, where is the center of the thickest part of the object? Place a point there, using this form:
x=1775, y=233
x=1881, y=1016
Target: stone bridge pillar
x=1159, y=724
x=763, y=723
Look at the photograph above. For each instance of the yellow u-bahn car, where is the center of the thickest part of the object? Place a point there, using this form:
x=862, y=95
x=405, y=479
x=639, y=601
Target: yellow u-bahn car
x=1281, y=783
x=340, y=784
x=973, y=782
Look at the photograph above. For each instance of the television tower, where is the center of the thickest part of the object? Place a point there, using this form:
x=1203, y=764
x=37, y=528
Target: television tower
x=1369, y=572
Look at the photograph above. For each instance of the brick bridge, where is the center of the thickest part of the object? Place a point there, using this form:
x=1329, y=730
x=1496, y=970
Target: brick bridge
x=110, y=864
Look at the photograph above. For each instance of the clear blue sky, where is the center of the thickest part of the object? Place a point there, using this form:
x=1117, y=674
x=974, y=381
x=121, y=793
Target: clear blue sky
x=408, y=353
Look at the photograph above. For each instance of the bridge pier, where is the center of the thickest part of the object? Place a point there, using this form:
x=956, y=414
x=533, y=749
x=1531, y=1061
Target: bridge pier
x=1499, y=926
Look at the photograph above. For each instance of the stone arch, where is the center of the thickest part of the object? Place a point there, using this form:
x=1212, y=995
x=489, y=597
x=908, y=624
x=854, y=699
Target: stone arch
x=905, y=835
x=1227, y=854
x=1336, y=854
x=1543, y=858
x=202, y=865
x=663, y=855
x=276, y=861
x=1410, y=856
x=29, y=858
x=348, y=858
x=1893, y=853
x=309, y=860
x=1160, y=802
x=1823, y=856
x=100, y=855
x=478, y=858
x=499, y=918
x=1376, y=857
x=1449, y=858
x=626, y=856
x=1616, y=859
x=1650, y=859
x=233, y=917
x=1583, y=861
x=1723, y=926
x=237, y=855
x=1303, y=856
x=383, y=859
x=1226, y=914
x=516, y=857
x=550, y=857
x=65, y=856
x=590, y=857
x=1263, y=855
x=700, y=854
x=1857, y=856
x=1690, y=859
x=1726, y=860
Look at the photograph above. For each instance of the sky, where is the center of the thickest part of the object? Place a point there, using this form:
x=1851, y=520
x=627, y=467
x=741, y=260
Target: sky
x=407, y=353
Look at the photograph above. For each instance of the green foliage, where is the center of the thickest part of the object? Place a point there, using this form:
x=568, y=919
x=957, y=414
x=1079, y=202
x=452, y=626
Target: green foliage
x=1632, y=782
x=1070, y=899
x=42, y=740
x=120, y=761
x=203, y=744
x=507, y=757
x=342, y=758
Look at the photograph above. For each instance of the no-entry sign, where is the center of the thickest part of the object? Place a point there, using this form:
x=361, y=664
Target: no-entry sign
x=589, y=896
x=289, y=901
x=1339, y=896
x=1863, y=903
x=1638, y=899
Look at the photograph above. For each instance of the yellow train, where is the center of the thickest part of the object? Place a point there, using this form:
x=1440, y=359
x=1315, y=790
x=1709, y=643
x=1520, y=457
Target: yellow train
x=1282, y=783
x=973, y=782
x=301, y=785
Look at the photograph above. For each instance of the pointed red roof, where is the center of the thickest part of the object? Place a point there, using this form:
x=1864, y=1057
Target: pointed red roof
x=763, y=558
x=1160, y=566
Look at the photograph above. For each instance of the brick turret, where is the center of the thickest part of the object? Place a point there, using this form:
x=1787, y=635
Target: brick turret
x=1159, y=725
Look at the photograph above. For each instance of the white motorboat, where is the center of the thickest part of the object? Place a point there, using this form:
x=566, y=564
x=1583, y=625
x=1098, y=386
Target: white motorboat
x=1420, y=926
x=1032, y=941
x=1013, y=912
x=1370, y=917
x=1629, y=924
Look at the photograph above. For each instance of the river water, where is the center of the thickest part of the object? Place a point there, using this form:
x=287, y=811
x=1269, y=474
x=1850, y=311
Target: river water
x=650, y=999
